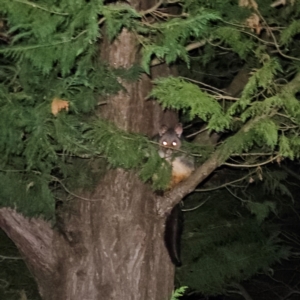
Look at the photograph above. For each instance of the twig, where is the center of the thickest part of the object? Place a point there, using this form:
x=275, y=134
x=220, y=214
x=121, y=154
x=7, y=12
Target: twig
x=252, y=166
x=235, y=196
x=225, y=184
x=202, y=83
x=40, y=7
x=3, y=257
x=241, y=291
x=194, y=208
x=73, y=194
x=189, y=47
x=274, y=38
x=153, y=8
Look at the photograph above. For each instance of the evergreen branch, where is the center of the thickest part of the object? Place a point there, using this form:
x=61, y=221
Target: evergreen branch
x=274, y=38
x=178, y=292
x=249, y=33
x=190, y=47
x=204, y=84
x=40, y=7
x=176, y=93
x=25, y=48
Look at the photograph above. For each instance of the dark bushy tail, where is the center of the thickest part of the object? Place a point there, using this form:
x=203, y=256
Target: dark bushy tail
x=173, y=232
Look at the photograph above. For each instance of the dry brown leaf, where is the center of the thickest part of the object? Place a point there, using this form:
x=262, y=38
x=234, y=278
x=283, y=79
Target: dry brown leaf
x=23, y=295
x=254, y=23
x=259, y=173
x=243, y=2
x=58, y=104
x=248, y=3
x=278, y=2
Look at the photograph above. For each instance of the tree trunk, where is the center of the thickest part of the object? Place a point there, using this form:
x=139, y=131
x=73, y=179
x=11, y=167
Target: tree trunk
x=112, y=246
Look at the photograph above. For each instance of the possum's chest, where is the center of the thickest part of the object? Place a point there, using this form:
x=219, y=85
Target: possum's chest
x=181, y=169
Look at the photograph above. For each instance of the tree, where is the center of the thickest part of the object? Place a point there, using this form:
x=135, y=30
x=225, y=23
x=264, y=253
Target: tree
x=87, y=159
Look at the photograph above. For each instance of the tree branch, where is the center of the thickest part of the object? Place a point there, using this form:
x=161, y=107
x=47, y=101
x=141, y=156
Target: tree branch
x=175, y=195
x=241, y=291
x=33, y=237
x=294, y=85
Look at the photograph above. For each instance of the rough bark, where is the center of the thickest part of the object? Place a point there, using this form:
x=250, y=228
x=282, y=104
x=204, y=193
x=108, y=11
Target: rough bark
x=129, y=109
x=116, y=241
x=134, y=261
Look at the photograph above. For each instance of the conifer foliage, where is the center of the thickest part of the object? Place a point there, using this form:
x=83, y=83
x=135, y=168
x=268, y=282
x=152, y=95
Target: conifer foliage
x=52, y=85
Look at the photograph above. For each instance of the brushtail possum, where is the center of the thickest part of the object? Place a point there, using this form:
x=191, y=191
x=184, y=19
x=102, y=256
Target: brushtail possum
x=170, y=140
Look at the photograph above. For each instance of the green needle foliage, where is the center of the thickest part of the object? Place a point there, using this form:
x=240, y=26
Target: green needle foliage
x=173, y=35
x=176, y=93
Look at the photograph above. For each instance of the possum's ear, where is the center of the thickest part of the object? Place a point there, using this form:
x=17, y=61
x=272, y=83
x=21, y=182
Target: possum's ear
x=178, y=129
x=163, y=129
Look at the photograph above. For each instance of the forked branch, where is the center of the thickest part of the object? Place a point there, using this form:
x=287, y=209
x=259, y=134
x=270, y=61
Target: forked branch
x=33, y=237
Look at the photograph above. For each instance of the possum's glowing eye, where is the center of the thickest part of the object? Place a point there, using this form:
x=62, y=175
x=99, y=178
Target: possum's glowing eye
x=164, y=143
x=174, y=144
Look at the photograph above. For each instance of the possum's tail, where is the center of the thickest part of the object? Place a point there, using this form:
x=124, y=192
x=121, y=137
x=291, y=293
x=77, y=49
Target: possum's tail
x=173, y=232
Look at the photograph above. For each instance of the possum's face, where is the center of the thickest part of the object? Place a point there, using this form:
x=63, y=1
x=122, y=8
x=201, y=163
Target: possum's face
x=169, y=140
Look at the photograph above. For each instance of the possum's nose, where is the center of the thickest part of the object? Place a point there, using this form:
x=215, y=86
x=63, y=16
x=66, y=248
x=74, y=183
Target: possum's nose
x=169, y=152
